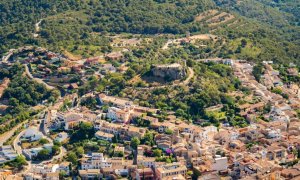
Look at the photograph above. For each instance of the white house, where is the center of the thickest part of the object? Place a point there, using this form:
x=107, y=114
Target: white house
x=48, y=147
x=122, y=172
x=64, y=166
x=148, y=162
x=168, y=170
x=118, y=114
x=219, y=163
x=95, y=161
x=7, y=153
x=98, y=124
x=273, y=134
x=209, y=132
x=71, y=119
x=164, y=126
x=30, y=153
x=104, y=136
x=32, y=134
x=33, y=152
x=234, y=135
x=43, y=169
x=61, y=137
x=228, y=62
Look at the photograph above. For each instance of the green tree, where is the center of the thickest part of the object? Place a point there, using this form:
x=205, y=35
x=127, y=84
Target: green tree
x=157, y=152
x=55, y=150
x=168, y=131
x=55, y=93
x=134, y=142
x=148, y=139
x=43, y=154
x=72, y=157
x=62, y=174
x=79, y=151
x=43, y=141
x=130, y=73
x=57, y=143
x=168, y=160
x=89, y=102
x=258, y=71
x=116, y=138
x=19, y=162
x=189, y=173
x=243, y=43
x=85, y=130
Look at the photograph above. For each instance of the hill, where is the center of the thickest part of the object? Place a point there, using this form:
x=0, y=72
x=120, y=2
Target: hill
x=269, y=28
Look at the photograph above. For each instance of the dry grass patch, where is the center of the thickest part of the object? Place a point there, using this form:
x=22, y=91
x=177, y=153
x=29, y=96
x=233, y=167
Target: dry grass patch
x=135, y=79
x=203, y=37
x=220, y=19
x=233, y=23
x=71, y=56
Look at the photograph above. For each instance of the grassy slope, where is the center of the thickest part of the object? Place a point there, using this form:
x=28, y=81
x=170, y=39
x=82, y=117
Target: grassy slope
x=269, y=31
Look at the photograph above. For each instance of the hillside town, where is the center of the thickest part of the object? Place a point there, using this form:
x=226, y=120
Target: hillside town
x=100, y=136
x=149, y=89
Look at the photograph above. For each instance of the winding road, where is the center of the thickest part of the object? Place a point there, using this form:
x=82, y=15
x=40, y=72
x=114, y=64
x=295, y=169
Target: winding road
x=28, y=73
x=9, y=54
x=38, y=80
x=188, y=79
x=18, y=149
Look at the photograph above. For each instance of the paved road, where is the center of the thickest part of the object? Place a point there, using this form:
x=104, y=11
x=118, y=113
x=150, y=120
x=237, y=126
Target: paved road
x=18, y=149
x=16, y=146
x=61, y=154
x=28, y=73
x=5, y=136
x=27, y=169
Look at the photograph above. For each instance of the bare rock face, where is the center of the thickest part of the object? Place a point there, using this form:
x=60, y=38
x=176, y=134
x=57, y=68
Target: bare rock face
x=169, y=71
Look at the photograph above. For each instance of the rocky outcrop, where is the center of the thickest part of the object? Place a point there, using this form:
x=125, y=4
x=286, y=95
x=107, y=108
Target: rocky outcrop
x=169, y=71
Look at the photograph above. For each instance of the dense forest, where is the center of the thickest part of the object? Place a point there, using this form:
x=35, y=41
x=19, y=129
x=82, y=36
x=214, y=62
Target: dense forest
x=23, y=92
x=271, y=28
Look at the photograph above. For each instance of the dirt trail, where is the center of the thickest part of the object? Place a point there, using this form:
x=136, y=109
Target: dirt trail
x=37, y=26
